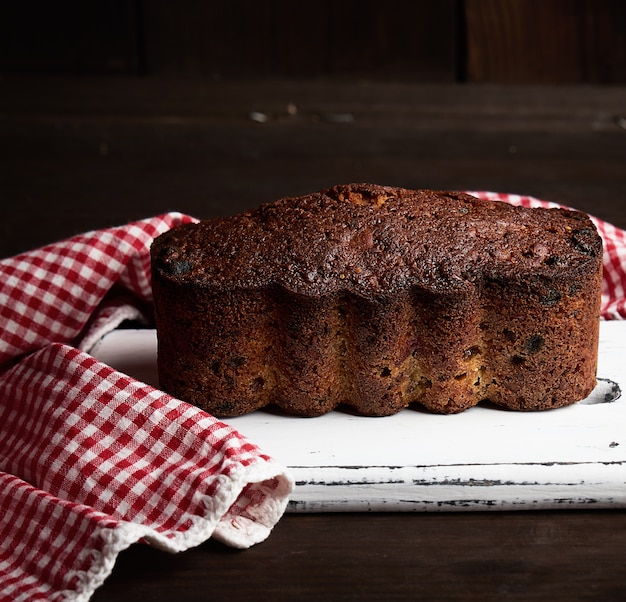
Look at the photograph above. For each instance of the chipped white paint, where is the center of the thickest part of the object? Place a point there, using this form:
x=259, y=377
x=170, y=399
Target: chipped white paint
x=484, y=458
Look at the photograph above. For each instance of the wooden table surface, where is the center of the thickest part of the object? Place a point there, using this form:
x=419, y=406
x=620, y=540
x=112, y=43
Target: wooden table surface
x=78, y=154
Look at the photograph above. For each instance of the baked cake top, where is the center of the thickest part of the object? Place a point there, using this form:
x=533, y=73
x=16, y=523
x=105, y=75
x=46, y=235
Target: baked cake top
x=370, y=239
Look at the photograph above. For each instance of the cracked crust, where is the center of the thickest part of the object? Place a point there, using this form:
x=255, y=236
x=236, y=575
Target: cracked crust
x=378, y=297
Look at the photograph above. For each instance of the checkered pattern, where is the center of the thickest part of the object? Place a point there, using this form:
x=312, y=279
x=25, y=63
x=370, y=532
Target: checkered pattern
x=92, y=460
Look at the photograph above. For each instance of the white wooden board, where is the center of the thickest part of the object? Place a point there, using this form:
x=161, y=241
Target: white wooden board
x=483, y=458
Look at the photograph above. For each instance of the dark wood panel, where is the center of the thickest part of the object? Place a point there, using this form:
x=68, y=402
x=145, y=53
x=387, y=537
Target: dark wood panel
x=604, y=40
x=414, y=41
x=301, y=39
x=233, y=39
x=37, y=37
x=69, y=36
x=523, y=41
x=108, y=37
x=242, y=38
x=546, y=41
x=503, y=41
x=209, y=39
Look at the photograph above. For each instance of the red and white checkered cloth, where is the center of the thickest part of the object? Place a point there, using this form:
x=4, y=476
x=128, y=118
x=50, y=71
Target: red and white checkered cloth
x=92, y=460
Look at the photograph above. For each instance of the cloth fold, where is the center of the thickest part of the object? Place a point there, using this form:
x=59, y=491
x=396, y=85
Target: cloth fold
x=92, y=460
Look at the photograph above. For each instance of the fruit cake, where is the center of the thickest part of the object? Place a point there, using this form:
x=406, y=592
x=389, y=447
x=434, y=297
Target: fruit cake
x=375, y=298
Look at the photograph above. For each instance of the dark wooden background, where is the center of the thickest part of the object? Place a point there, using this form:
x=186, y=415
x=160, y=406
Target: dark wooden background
x=114, y=110
x=498, y=41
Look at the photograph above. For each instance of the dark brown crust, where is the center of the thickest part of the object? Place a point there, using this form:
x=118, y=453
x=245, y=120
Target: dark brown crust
x=377, y=297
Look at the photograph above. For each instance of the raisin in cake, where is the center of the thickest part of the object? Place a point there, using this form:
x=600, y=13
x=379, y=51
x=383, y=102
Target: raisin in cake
x=378, y=297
